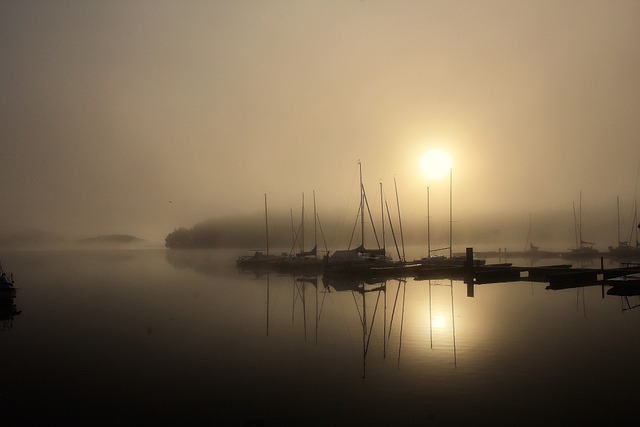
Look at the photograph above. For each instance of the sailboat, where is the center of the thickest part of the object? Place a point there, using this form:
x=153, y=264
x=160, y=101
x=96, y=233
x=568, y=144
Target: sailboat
x=261, y=259
x=440, y=260
x=307, y=261
x=624, y=251
x=534, y=252
x=583, y=248
x=359, y=259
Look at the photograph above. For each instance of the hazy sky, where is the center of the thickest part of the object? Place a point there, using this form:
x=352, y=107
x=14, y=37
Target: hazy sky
x=111, y=109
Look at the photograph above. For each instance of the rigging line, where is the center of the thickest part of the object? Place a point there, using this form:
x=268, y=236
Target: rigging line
x=366, y=201
x=633, y=222
x=355, y=225
x=399, y=218
x=268, y=281
x=295, y=235
x=341, y=224
x=373, y=319
x=393, y=312
x=317, y=311
x=404, y=294
x=384, y=323
x=326, y=248
x=293, y=304
x=453, y=328
x=393, y=234
x=635, y=190
x=324, y=295
x=430, y=317
x=353, y=294
x=304, y=312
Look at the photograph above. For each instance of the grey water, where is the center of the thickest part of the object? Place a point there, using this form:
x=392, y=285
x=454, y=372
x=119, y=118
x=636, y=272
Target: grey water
x=171, y=337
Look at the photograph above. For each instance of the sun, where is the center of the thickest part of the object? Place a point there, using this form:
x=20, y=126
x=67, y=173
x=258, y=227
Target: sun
x=435, y=164
x=438, y=322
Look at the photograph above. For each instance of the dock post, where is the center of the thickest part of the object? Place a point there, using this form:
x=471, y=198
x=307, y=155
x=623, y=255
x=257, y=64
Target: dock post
x=469, y=260
x=468, y=272
x=602, y=271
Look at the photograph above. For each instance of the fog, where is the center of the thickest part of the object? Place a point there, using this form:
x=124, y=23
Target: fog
x=141, y=117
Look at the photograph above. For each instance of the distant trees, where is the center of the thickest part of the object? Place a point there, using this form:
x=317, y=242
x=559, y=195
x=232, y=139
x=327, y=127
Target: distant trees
x=199, y=236
x=179, y=238
x=214, y=234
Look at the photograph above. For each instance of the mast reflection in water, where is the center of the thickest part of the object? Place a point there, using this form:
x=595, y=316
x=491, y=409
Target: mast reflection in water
x=140, y=337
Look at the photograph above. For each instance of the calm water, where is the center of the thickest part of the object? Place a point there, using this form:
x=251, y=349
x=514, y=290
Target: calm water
x=181, y=337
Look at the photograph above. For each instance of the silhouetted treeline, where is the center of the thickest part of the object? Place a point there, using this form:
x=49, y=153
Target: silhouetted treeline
x=224, y=233
x=248, y=232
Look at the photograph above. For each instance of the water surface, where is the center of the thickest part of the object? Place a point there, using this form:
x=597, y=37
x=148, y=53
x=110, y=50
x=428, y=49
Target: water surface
x=155, y=336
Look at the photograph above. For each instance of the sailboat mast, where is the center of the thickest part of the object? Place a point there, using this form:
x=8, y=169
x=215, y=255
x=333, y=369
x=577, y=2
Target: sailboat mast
x=428, y=224
x=528, y=242
x=294, y=238
x=634, y=222
x=580, y=215
x=575, y=223
x=395, y=184
x=450, y=213
x=266, y=221
x=302, y=227
x=384, y=244
x=618, y=203
x=315, y=223
x=361, y=207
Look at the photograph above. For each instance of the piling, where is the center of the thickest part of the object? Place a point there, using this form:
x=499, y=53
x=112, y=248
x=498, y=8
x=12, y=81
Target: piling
x=468, y=272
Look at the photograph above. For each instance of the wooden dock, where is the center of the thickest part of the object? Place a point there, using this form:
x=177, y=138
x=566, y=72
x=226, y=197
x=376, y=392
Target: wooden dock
x=625, y=279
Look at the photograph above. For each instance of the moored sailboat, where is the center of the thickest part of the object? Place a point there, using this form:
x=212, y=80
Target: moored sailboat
x=359, y=259
x=434, y=261
x=307, y=261
x=583, y=249
x=625, y=251
x=261, y=259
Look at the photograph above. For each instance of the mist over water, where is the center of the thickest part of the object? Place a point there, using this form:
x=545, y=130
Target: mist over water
x=124, y=118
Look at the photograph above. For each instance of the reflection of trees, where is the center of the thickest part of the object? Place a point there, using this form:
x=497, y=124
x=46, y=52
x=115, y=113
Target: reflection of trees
x=205, y=261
